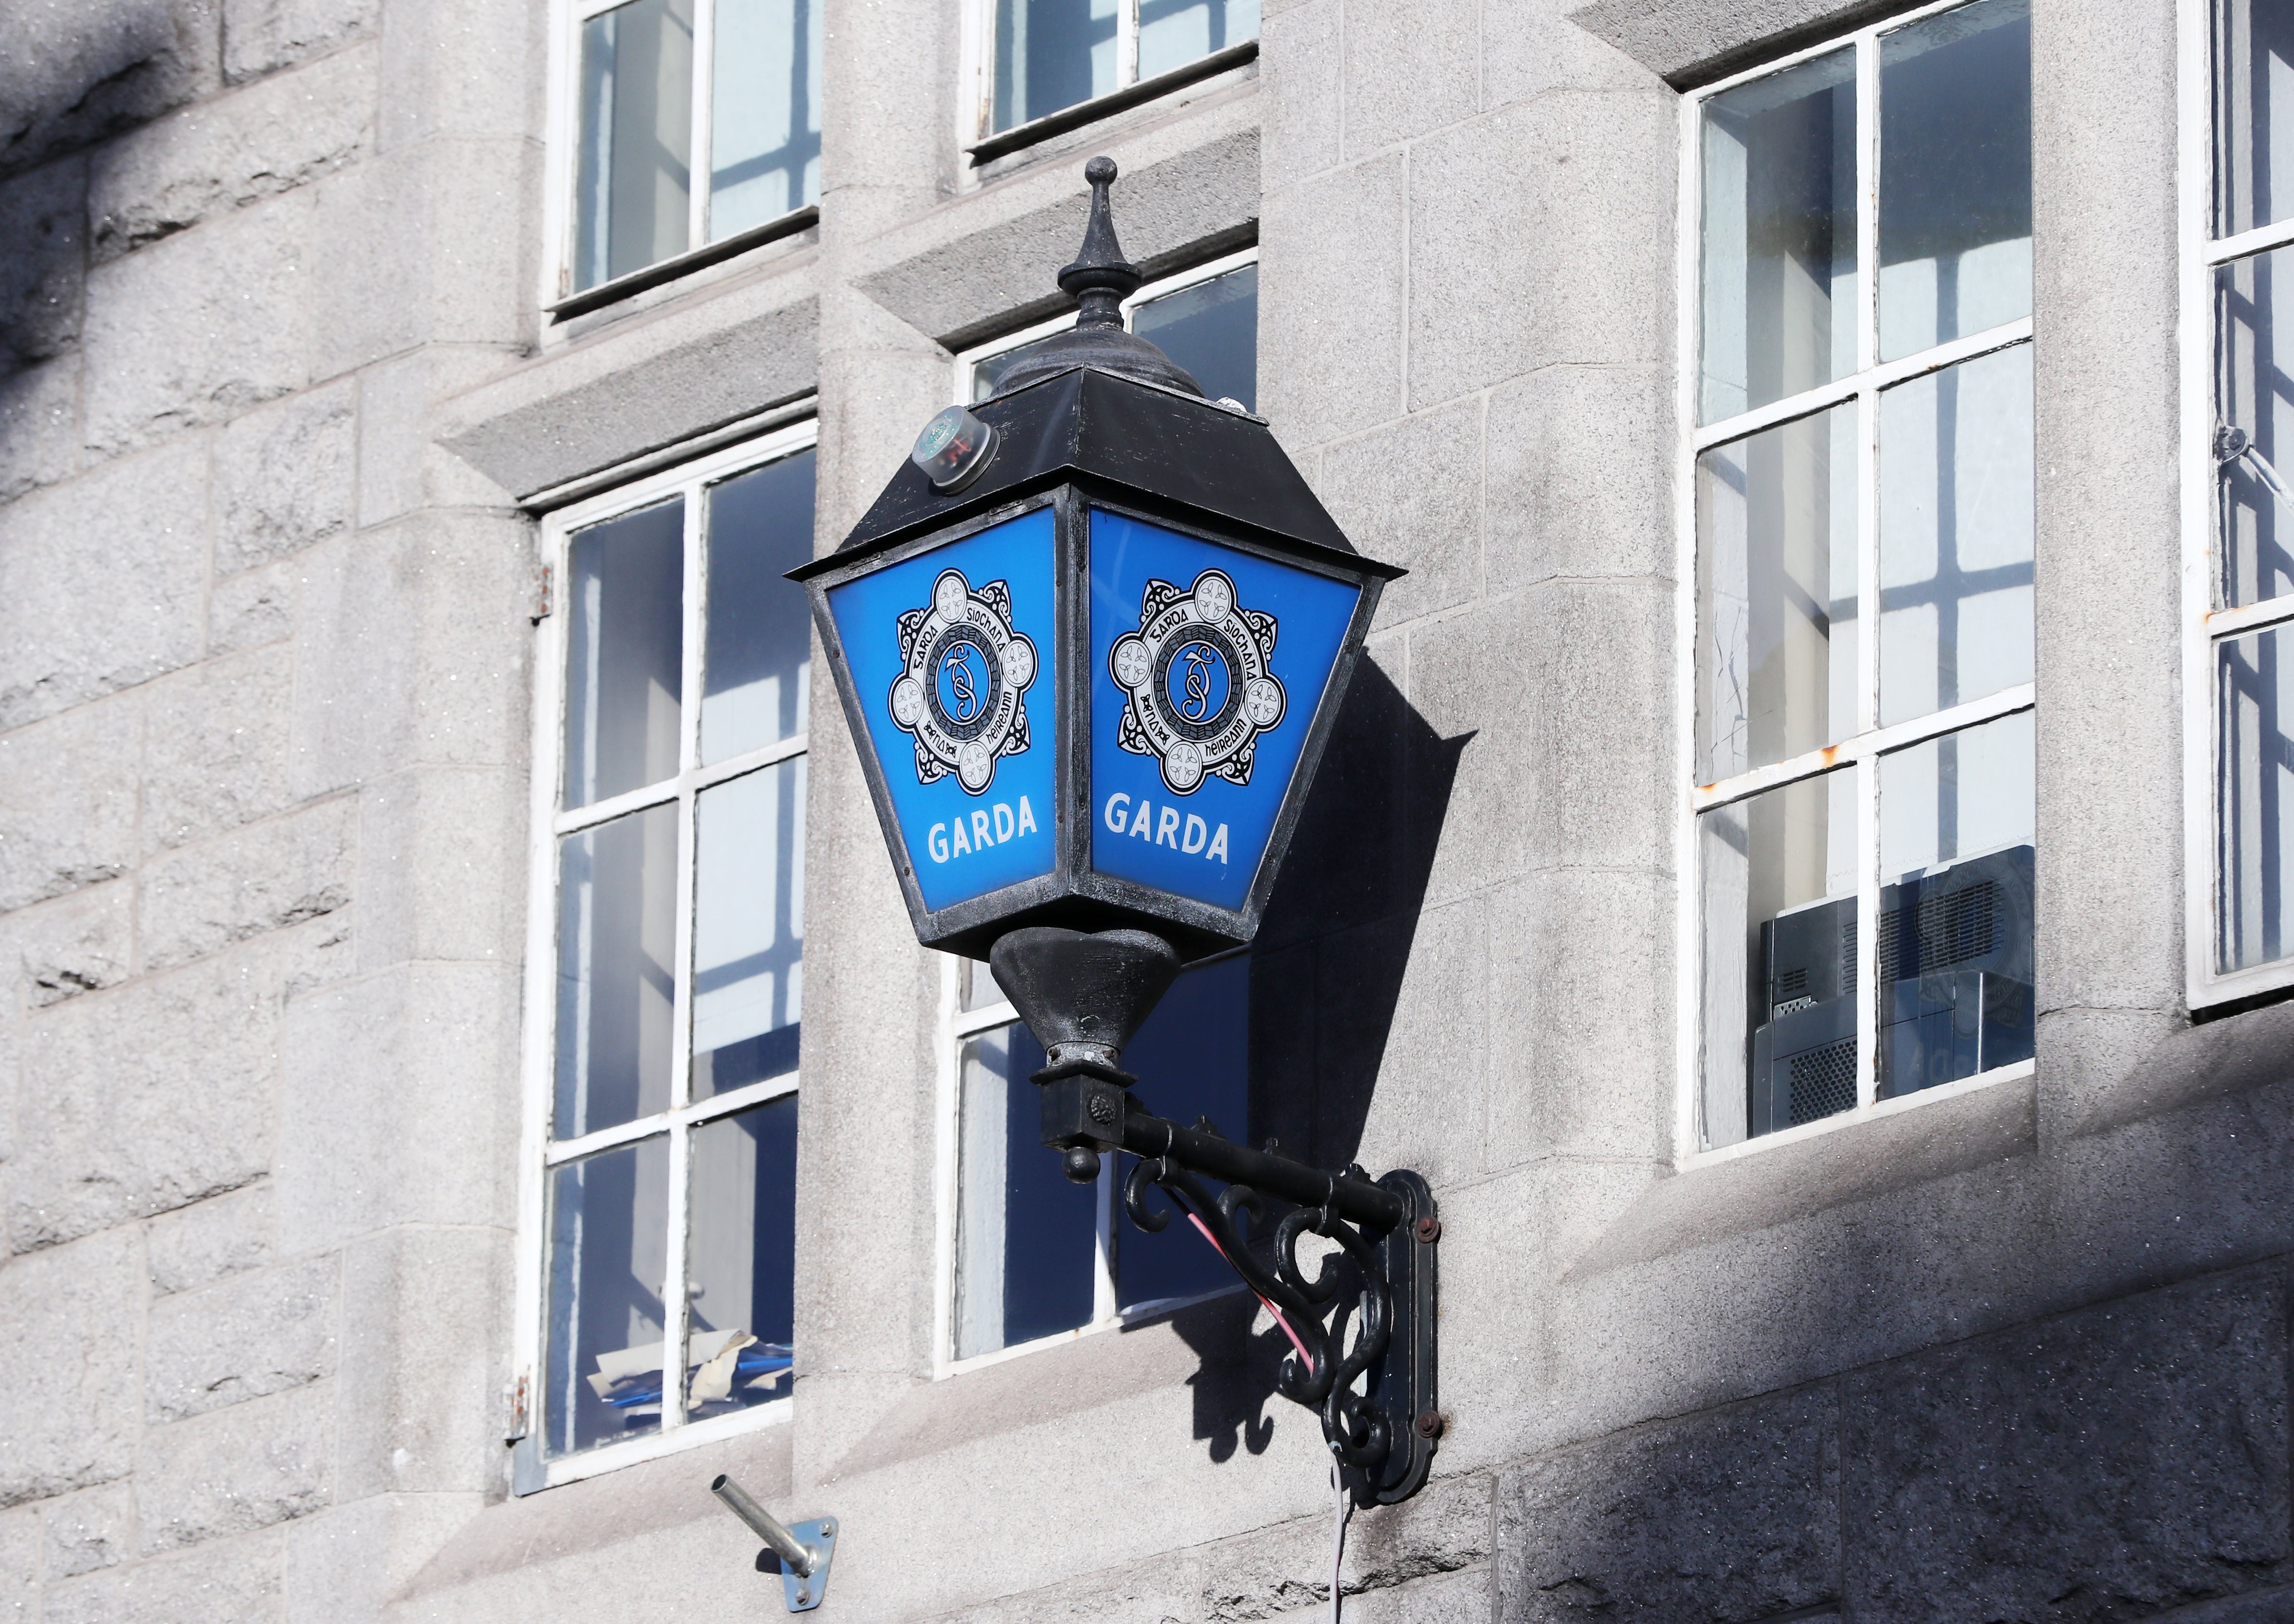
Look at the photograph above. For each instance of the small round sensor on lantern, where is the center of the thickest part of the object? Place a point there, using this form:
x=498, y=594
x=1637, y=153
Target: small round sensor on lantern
x=953, y=449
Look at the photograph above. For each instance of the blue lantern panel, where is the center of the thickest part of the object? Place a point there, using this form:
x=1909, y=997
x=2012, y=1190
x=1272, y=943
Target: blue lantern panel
x=951, y=652
x=1208, y=665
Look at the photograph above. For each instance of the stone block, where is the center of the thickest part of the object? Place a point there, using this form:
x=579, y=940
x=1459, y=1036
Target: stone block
x=432, y=880
x=238, y=1580
x=234, y=1470
x=78, y=73
x=226, y=153
x=1530, y=234
x=244, y=1337
x=1299, y=65
x=264, y=877
x=62, y=825
x=2107, y=1464
x=1422, y=1041
x=421, y=1376
x=39, y=426
x=211, y=1239
x=259, y=35
x=21, y=1558
x=68, y=631
x=253, y=608
x=350, y=1563
x=1330, y=302
x=146, y=1098
x=1408, y=69
x=400, y=465
x=452, y=70
x=1580, y=475
x=284, y=476
x=1726, y=1516
x=91, y=1530
x=1411, y=493
x=68, y=1415
x=42, y=219
x=200, y=326
x=406, y=1104
x=214, y=756
x=1533, y=48
x=72, y=945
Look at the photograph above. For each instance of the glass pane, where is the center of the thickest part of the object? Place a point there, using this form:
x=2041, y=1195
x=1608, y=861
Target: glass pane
x=1193, y=1060
x=1173, y=33
x=1210, y=330
x=1776, y=595
x=1956, y=506
x=608, y=1260
x=1779, y=994
x=1050, y=55
x=633, y=192
x=624, y=652
x=2254, y=416
x=757, y=661
x=976, y=979
x=1955, y=830
x=1954, y=175
x=987, y=376
x=748, y=929
x=1780, y=246
x=2254, y=794
x=764, y=112
x=616, y=934
x=742, y=1270
x=1027, y=1240
x=2254, y=77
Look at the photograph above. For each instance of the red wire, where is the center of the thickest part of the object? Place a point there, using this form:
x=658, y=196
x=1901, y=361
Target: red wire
x=1279, y=1320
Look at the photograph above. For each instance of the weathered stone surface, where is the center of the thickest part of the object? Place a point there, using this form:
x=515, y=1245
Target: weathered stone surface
x=21, y=1558
x=62, y=827
x=75, y=73
x=1408, y=69
x=423, y=1416
x=284, y=476
x=214, y=755
x=225, y=1234
x=1728, y=1516
x=235, y=1470
x=262, y=878
x=1337, y=318
x=41, y=220
x=1565, y=495
x=68, y=1414
x=252, y=608
x=401, y=467
x=93, y=1529
x=2101, y=1465
x=73, y=944
x=68, y=631
x=1409, y=493
x=144, y=1097
x=261, y=35
x=39, y=426
x=1300, y=64
x=430, y=884
x=237, y=1580
x=241, y=1338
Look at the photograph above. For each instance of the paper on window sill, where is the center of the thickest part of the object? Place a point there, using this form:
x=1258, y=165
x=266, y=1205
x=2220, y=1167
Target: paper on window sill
x=714, y=1380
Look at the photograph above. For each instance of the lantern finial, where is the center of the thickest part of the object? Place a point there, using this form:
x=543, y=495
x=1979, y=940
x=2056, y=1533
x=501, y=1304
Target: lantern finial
x=1101, y=278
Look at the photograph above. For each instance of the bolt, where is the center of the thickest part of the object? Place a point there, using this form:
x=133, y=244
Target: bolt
x=1429, y=1424
x=1430, y=1229
x=803, y=1596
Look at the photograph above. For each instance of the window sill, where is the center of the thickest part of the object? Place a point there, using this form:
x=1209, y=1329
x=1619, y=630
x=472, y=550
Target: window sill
x=682, y=264
x=1039, y=130
x=530, y=1474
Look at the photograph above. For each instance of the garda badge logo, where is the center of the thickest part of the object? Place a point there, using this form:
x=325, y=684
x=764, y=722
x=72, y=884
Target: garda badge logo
x=1200, y=690
x=965, y=669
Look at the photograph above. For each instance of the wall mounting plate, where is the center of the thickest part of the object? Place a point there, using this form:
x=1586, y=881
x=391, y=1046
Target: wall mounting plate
x=804, y=1591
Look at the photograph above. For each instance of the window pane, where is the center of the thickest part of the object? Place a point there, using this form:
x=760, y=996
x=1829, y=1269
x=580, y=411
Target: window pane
x=987, y=376
x=1193, y=1060
x=1779, y=994
x=2254, y=81
x=1173, y=33
x=748, y=929
x=1050, y=55
x=764, y=113
x=1956, y=832
x=2254, y=412
x=625, y=653
x=1211, y=330
x=1776, y=593
x=2254, y=793
x=1027, y=1240
x=1779, y=247
x=616, y=931
x=637, y=134
x=1954, y=175
x=608, y=1260
x=1956, y=506
x=742, y=1268
x=759, y=653
x=977, y=984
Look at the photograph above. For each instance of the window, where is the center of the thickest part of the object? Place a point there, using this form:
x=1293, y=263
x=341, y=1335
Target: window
x=1205, y=319
x=694, y=123
x=1041, y=56
x=2239, y=511
x=1858, y=484
x=668, y=878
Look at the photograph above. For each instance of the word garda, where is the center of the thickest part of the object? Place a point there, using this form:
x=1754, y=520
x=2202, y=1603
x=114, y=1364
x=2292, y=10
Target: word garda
x=990, y=827
x=1165, y=829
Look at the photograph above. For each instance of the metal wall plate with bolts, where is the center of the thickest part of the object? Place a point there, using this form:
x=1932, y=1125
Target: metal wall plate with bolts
x=801, y=1553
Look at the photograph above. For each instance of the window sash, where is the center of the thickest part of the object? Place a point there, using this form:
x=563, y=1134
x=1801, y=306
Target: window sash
x=981, y=27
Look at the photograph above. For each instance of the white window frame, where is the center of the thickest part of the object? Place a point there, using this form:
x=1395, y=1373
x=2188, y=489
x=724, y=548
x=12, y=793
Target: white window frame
x=2204, y=626
x=562, y=121
x=1860, y=753
x=538, y=1154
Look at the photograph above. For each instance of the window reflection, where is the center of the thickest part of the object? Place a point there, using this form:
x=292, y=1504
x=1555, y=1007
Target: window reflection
x=2254, y=794
x=1193, y=1060
x=764, y=112
x=1025, y=1239
x=758, y=664
x=1211, y=331
x=609, y=1258
x=1050, y=55
x=624, y=652
x=2254, y=412
x=632, y=196
x=748, y=929
x=2254, y=114
x=743, y=1267
x=616, y=935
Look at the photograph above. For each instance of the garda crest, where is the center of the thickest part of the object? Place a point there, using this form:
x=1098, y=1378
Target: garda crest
x=963, y=670
x=1200, y=690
